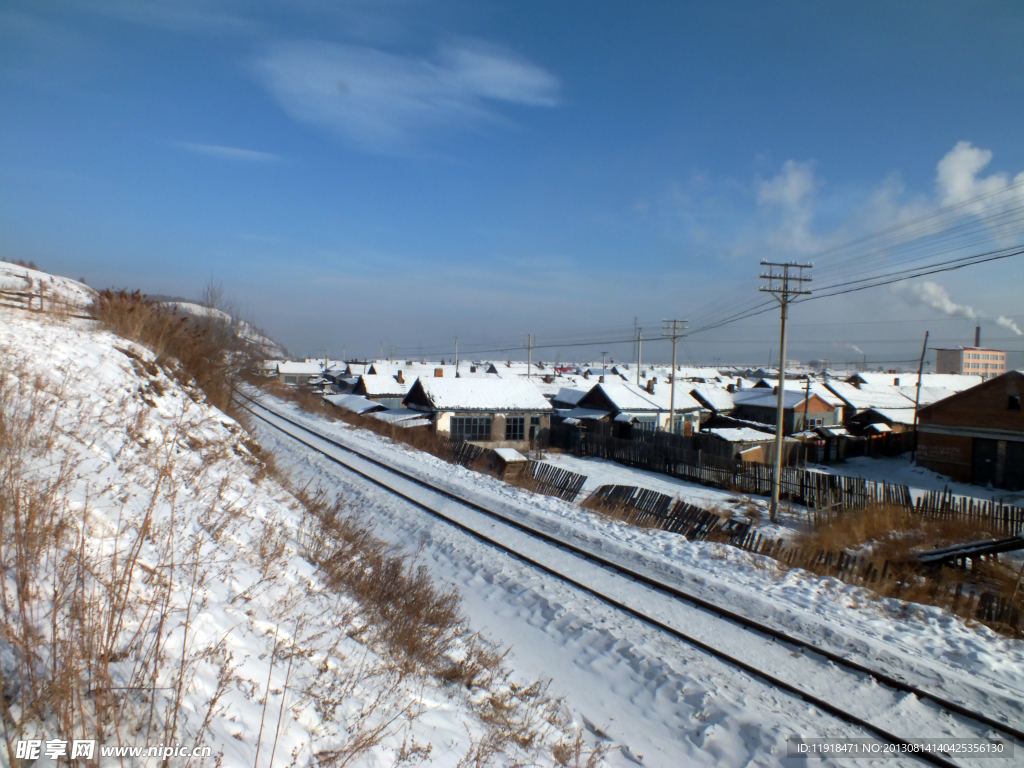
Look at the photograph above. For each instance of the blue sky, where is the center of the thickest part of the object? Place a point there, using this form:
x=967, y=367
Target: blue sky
x=407, y=172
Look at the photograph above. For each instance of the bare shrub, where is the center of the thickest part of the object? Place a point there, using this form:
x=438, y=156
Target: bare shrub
x=187, y=349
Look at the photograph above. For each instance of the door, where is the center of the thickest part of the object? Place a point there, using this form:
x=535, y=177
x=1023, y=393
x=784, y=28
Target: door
x=983, y=461
x=1013, y=469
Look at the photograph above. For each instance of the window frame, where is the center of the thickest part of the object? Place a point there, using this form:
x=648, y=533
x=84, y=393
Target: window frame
x=515, y=425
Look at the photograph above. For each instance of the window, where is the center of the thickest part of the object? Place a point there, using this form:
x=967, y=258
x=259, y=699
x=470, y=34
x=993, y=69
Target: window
x=646, y=423
x=471, y=427
x=289, y=380
x=515, y=428
x=1014, y=403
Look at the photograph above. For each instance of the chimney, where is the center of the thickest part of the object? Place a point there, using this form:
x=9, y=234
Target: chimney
x=731, y=388
x=586, y=374
x=775, y=389
x=896, y=382
x=600, y=379
x=439, y=373
x=977, y=335
x=739, y=383
x=650, y=385
x=400, y=378
x=548, y=378
x=472, y=369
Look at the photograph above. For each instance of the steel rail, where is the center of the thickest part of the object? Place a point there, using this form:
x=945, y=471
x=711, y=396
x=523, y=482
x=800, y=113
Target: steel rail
x=699, y=602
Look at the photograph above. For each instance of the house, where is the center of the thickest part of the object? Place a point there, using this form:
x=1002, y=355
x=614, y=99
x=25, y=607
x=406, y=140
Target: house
x=987, y=363
x=495, y=412
x=645, y=409
x=977, y=436
x=799, y=412
x=861, y=397
x=299, y=373
x=389, y=391
x=742, y=443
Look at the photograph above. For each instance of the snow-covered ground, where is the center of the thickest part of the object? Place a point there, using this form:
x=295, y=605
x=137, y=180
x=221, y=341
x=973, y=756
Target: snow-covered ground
x=228, y=636
x=624, y=676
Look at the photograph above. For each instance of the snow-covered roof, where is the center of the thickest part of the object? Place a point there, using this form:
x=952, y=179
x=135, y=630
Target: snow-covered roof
x=896, y=415
x=586, y=413
x=382, y=386
x=626, y=396
x=569, y=395
x=481, y=395
x=957, y=382
x=510, y=454
x=879, y=427
x=353, y=403
x=765, y=398
x=397, y=415
x=871, y=396
x=300, y=369
x=718, y=398
x=741, y=435
x=929, y=395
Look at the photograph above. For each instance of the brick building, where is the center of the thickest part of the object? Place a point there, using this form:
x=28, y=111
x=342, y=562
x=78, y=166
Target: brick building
x=977, y=436
x=987, y=363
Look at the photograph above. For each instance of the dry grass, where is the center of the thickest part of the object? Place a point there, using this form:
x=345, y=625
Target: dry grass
x=207, y=351
x=890, y=535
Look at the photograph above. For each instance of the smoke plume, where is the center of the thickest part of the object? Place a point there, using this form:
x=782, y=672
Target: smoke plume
x=935, y=296
x=1008, y=323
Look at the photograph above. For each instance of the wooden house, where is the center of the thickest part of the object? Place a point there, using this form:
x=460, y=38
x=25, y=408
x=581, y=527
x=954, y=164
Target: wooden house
x=977, y=435
x=492, y=412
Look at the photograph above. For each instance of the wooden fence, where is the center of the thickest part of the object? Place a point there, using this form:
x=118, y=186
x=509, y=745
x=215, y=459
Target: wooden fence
x=821, y=493
x=460, y=452
x=550, y=480
x=644, y=507
x=650, y=509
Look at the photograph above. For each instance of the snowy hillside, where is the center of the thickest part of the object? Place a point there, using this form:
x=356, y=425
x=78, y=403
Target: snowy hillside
x=16, y=281
x=156, y=588
x=270, y=348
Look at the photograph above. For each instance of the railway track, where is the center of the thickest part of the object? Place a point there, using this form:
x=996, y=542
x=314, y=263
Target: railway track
x=785, y=662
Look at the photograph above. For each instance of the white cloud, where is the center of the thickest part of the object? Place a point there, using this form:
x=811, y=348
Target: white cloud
x=229, y=153
x=383, y=102
x=957, y=182
x=790, y=194
x=933, y=295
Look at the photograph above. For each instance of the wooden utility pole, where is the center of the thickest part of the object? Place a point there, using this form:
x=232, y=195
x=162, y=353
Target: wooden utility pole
x=639, y=342
x=917, y=397
x=784, y=282
x=675, y=330
x=530, y=340
x=456, y=357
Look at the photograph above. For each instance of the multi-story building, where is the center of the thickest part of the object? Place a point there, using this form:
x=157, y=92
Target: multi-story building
x=987, y=363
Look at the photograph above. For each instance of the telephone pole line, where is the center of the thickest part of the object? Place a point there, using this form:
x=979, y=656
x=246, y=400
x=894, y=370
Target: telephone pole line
x=456, y=357
x=675, y=330
x=784, y=282
x=530, y=342
x=639, y=341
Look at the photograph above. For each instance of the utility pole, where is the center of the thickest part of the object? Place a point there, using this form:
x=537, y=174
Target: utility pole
x=604, y=353
x=344, y=355
x=381, y=351
x=639, y=341
x=917, y=397
x=784, y=282
x=456, y=357
x=635, y=336
x=675, y=330
x=529, y=354
x=391, y=351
